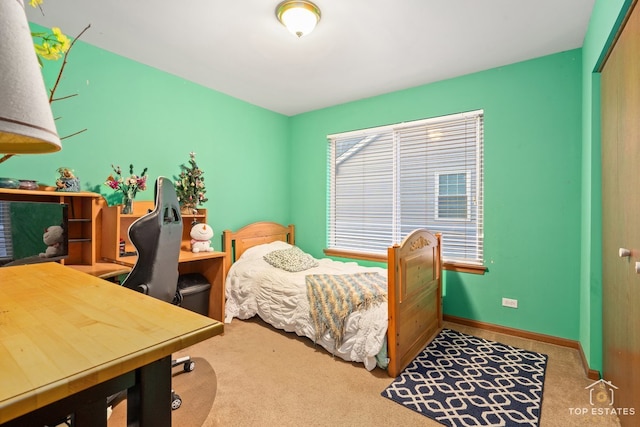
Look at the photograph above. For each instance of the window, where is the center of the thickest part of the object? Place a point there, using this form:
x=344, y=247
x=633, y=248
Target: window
x=452, y=196
x=6, y=252
x=385, y=182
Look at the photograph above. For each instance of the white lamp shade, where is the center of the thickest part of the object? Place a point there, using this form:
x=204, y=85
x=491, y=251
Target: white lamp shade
x=299, y=17
x=26, y=121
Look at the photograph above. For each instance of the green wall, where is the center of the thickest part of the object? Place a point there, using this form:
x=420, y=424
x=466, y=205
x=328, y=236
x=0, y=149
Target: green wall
x=532, y=185
x=542, y=163
x=552, y=266
x=140, y=115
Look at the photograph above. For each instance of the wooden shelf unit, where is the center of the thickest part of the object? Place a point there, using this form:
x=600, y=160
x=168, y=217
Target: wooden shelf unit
x=95, y=230
x=85, y=227
x=116, y=226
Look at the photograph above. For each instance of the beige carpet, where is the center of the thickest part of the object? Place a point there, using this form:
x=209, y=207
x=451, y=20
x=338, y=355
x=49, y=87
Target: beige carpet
x=197, y=390
x=267, y=378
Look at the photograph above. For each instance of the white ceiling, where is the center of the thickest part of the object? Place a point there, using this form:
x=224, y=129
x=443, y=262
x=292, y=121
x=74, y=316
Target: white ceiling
x=360, y=48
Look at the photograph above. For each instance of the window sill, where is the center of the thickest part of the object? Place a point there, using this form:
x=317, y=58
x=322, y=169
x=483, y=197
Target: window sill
x=449, y=266
x=340, y=253
x=464, y=268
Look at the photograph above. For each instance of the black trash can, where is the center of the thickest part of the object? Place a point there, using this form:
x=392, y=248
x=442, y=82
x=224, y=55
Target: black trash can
x=195, y=290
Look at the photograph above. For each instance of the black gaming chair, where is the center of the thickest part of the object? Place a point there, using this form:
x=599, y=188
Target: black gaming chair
x=157, y=237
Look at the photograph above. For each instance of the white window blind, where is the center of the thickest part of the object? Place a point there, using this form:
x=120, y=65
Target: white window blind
x=385, y=182
x=6, y=251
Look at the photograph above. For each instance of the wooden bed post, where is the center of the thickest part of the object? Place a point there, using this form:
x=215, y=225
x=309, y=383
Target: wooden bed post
x=392, y=333
x=227, y=248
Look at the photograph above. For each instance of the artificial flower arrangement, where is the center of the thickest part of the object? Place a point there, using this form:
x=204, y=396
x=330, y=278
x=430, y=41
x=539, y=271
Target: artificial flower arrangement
x=129, y=185
x=190, y=185
x=51, y=46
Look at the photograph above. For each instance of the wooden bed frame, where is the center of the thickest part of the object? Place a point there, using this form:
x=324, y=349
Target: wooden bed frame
x=414, y=285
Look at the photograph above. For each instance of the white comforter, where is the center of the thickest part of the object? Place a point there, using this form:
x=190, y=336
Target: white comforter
x=279, y=297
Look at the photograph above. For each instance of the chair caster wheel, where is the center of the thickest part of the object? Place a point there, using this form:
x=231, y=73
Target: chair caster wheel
x=189, y=366
x=176, y=401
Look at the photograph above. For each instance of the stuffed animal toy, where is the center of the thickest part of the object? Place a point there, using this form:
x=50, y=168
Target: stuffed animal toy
x=201, y=235
x=53, y=237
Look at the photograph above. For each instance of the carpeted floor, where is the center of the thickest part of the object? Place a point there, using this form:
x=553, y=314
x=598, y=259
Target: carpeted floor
x=197, y=390
x=460, y=379
x=267, y=377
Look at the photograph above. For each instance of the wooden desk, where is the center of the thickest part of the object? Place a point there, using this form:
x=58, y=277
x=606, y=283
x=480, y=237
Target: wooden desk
x=103, y=270
x=212, y=265
x=68, y=340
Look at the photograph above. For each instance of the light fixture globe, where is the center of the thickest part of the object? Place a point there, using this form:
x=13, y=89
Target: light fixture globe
x=299, y=17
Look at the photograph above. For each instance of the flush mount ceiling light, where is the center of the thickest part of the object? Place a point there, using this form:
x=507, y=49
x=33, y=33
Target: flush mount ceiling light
x=299, y=17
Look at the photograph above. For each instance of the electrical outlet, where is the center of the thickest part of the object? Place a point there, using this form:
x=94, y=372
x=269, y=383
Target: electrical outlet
x=508, y=302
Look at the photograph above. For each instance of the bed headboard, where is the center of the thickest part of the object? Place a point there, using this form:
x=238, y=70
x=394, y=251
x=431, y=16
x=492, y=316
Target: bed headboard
x=236, y=242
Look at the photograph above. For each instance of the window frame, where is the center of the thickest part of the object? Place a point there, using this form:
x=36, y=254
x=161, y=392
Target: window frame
x=473, y=196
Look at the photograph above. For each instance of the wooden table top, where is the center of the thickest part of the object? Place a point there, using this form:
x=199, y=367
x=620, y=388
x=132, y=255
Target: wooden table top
x=63, y=331
x=103, y=270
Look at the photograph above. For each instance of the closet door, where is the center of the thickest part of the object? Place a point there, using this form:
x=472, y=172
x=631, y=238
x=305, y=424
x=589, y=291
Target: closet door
x=620, y=85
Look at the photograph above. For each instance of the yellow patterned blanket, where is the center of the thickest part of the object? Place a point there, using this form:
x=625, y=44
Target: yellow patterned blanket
x=332, y=298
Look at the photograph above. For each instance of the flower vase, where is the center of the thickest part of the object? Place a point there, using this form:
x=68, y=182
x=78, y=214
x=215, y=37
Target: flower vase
x=127, y=204
x=188, y=209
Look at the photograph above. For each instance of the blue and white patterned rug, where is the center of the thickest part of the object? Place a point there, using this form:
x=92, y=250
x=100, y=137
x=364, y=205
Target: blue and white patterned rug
x=462, y=380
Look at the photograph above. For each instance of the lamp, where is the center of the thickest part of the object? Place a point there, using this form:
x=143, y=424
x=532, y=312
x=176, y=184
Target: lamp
x=299, y=17
x=26, y=121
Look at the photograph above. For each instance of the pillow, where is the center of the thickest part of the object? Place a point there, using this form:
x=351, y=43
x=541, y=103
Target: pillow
x=292, y=259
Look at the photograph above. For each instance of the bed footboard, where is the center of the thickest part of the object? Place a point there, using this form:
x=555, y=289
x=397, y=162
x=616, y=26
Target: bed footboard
x=414, y=297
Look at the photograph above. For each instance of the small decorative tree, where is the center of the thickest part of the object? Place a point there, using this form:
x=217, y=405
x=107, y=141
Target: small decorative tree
x=190, y=186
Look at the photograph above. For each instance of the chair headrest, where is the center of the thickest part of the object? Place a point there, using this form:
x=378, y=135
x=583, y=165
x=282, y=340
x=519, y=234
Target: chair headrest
x=167, y=201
